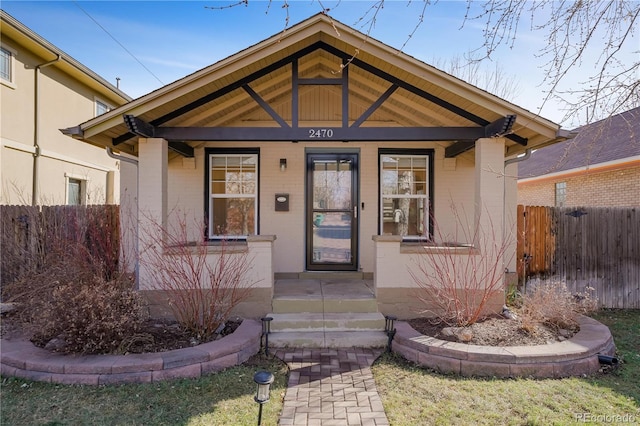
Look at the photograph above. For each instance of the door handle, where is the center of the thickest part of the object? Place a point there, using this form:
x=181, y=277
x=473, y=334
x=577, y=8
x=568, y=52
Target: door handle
x=355, y=212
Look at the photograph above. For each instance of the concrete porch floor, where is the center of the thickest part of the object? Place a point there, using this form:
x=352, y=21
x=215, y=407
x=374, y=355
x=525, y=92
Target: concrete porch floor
x=323, y=288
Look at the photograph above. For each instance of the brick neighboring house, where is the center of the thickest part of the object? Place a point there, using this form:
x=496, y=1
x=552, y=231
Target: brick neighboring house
x=600, y=167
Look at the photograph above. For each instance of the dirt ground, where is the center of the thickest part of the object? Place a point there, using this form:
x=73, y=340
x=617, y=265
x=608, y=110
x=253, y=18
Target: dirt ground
x=496, y=331
x=154, y=336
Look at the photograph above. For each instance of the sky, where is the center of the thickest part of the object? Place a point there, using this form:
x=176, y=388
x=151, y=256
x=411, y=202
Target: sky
x=148, y=44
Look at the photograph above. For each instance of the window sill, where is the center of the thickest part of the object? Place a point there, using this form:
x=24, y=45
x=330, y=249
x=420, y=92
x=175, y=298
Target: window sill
x=209, y=247
x=9, y=84
x=423, y=246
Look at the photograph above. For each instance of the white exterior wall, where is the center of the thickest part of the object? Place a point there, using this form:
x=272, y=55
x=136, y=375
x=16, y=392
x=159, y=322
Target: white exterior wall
x=186, y=193
x=510, y=214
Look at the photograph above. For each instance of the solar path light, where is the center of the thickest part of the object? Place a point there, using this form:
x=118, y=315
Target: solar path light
x=263, y=379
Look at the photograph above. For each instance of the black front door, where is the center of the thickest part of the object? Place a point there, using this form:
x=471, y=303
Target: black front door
x=332, y=212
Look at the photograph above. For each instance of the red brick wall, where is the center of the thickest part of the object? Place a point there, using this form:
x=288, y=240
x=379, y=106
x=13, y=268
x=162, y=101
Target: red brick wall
x=613, y=188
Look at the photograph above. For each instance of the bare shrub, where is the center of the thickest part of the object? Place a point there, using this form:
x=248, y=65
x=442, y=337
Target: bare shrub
x=72, y=288
x=457, y=279
x=203, y=281
x=552, y=304
x=91, y=317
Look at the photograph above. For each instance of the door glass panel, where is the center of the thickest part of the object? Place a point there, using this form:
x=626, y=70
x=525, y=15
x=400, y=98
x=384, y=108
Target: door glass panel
x=332, y=185
x=331, y=237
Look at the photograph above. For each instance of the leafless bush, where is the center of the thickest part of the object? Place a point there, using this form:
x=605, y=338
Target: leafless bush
x=94, y=316
x=34, y=236
x=552, y=304
x=203, y=282
x=69, y=299
x=457, y=280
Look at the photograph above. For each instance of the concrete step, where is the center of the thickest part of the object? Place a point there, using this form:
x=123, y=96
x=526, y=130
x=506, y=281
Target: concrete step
x=334, y=339
x=330, y=275
x=294, y=304
x=310, y=322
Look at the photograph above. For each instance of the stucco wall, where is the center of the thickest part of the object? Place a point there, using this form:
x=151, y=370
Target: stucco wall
x=612, y=188
x=63, y=102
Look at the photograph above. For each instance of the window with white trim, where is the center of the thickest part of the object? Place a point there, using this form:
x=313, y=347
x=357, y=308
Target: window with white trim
x=76, y=191
x=6, y=65
x=233, y=194
x=102, y=107
x=405, y=195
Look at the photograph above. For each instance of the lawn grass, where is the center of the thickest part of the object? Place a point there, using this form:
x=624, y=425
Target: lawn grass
x=225, y=398
x=413, y=395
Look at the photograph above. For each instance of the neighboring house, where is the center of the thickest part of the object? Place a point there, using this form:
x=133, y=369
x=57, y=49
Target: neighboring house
x=322, y=149
x=42, y=90
x=599, y=167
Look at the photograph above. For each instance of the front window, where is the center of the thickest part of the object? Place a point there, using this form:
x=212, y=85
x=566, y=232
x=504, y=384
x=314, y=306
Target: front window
x=233, y=190
x=405, y=179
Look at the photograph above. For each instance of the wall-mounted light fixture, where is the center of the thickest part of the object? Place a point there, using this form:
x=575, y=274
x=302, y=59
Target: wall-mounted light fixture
x=283, y=164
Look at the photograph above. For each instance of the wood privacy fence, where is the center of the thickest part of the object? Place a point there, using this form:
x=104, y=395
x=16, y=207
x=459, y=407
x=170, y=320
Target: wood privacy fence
x=30, y=236
x=596, y=247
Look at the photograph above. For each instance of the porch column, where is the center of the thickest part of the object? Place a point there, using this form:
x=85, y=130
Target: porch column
x=490, y=193
x=152, y=198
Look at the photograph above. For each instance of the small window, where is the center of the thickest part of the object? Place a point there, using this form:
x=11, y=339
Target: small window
x=233, y=194
x=101, y=107
x=76, y=190
x=561, y=194
x=405, y=181
x=6, y=65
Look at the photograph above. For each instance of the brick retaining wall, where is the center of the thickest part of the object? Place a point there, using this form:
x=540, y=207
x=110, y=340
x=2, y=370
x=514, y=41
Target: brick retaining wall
x=20, y=358
x=577, y=356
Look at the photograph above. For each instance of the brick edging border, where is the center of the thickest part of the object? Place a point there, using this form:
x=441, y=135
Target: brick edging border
x=577, y=356
x=20, y=358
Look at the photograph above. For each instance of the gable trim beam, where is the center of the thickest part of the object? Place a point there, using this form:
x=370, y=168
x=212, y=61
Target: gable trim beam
x=374, y=106
x=138, y=127
x=181, y=148
x=498, y=128
x=345, y=93
x=308, y=133
x=265, y=106
x=294, y=93
x=458, y=148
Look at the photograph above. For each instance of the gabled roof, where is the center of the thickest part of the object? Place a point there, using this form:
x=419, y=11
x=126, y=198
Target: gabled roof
x=21, y=34
x=612, y=139
x=225, y=94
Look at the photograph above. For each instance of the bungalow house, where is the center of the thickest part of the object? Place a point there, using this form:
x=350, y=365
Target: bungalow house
x=599, y=167
x=42, y=89
x=327, y=155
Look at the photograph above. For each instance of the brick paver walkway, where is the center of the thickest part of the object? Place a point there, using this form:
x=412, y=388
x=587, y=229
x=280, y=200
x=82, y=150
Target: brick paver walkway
x=331, y=387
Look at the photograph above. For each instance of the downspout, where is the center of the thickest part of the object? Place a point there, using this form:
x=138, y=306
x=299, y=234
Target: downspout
x=36, y=129
x=111, y=154
x=526, y=155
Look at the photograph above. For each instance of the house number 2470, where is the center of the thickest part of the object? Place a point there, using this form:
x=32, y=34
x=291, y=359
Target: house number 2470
x=320, y=133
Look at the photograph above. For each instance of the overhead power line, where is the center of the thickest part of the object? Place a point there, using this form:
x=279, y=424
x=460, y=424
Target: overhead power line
x=116, y=40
